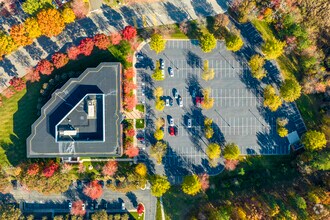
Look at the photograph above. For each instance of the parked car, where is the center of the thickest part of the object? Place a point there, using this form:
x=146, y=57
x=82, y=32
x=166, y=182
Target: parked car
x=123, y=205
x=139, y=56
x=171, y=102
x=180, y=101
x=176, y=94
x=189, y=123
x=171, y=122
x=167, y=102
x=83, y=206
x=170, y=70
x=162, y=64
x=70, y=205
x=193, y=93
x=172, y=131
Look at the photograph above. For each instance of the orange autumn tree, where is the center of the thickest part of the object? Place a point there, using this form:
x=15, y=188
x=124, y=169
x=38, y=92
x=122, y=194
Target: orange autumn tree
x=20, y=35
x=51, y=22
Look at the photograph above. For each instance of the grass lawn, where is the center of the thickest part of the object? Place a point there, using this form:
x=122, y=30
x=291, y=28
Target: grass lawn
x=140, y=107
x=20, y=111
x=289, y=66
x=139, y=123
x=158, y=210
x=135, y=215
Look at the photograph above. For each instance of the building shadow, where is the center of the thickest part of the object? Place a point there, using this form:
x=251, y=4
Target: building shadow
x=47, y=44
x=34, y=51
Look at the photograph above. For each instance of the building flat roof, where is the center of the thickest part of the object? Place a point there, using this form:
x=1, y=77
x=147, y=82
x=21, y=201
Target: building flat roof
x=66, y=129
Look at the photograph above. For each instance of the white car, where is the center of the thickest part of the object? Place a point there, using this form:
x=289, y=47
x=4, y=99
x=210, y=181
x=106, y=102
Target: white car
x=170, y=70
x=167, y=102
x=189, y=122
x=70, y=205
x=180, y=102
x=83, y=206
x=123, y=205
x=162, y=64
x=171, y=122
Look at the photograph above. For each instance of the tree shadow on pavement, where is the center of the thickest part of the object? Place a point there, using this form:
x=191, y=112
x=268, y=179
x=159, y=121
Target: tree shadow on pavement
x=115, y=19
x=132, y=197
x=8, y=67
x=131, y=17
x=193, y=60
x=175, y=13
x=202, y=8
x=34, y=51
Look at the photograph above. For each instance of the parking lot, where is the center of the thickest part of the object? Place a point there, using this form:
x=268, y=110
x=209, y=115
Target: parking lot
x=238, y=114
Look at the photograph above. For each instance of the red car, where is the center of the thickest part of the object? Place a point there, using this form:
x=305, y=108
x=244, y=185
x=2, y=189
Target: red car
x=172, y=131
x=199, y=100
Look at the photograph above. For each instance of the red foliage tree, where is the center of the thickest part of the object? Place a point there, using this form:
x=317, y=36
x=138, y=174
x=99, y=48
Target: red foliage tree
x=60, y=59
x=18, y=83
x=110, y=168
x=130, y=132
x=73, y=52
x=77, y=208
x=33, y=169
x=102, y=41
x=93, y=190
x=50, y=169
x=115, y=38
x=129, y=73
x=140, y=209
x=132, y=151
x=86, y=46
x=231, y=164
x=128, y=144
x=204, y=180
x=79, y=8
x=128, y=86
x=32, y=75
x=129, y=33
x=130, y=102
x=45, y=67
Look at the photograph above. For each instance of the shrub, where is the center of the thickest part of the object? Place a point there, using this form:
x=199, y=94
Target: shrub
x=130, y=132
x=130, y=102
x=110, y=168
x=213, y=151
x=132, y=151
x=231, y=152
x=17, y=83
x=50, y=169
x=141, y=169
x=45, y=67
x=32, y=75
x=93, y=190
x=159, y=135
x=129, y=73
x=129, y=33
x=60, y=59
x=33, y=169
x=101, y=41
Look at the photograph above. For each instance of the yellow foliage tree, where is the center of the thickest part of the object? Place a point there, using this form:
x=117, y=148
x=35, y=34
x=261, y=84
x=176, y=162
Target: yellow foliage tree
x=141, y=169
x=20, y=35
x=208, y=101
x=68, y=15
x=7, y=45
x=51, y=22
x=32, y=28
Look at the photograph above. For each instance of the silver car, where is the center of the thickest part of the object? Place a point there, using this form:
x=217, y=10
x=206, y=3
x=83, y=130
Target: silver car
x=167, y=102
x=180, y=102
x=170, y=70
x=162, y=64
x=171, y=122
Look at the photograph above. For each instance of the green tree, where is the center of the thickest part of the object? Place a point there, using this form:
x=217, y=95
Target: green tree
x=233, y=42
x=273, y=48
x=282, y=131
x=10, y=212
x=159, y=134
x=321, y=161
x=314, y=140
x=213, y=151
x=33, y=6
x=100, y=215
x=207, y=42
x=158, y=150
x=290, y=90
x=159, y=185
x=191, y=185
x=300, y=202
x=159, y=104
x=231, y=152
x=271, y=100
x=157, y=43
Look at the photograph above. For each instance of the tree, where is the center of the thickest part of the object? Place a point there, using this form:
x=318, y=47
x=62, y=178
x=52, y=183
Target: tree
x=5, y=184
x=159, y=134
x=110, y=168
x=102, y=42
x=272, y=48
x=68, y=15
x=129, y=73
x=7, y=45
x=32, y=28
x=33, y=169
x=290, y=90
x=10, y=212
x=77, y=208
x=271, y=100
x=158, y=75
x=213, y=151
x=159, y=185
x=60, y=59
x=207, y=42
x=231, y=152
x=100, y=215
x=86, y=46
x=73, y=52
x=129, y=32
x=158, y=92
x=300, y=202
x=50, y=169
x=17, y=83
x=45, y=67
x=191, y=185
x=158, y=150
x=50, y=22
x=20, y=35
x=233, y=42
x=128, y=86
x=220, y=20
x=157, y=43
x=208, y=74
x=130, y=102
x=132, y=151
x=204, y=180
x=80, y=8
x=230, y=164
x=141, y=169
x=256, y=64
x=208, y=130
x=115, y=38
x=93, y=190
x=208, y=101
x=159, y=104
x=130, y=132
x=282, y=131
x=140, y=208
x=208, y=122
x=33, y=6
x=314, y=140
